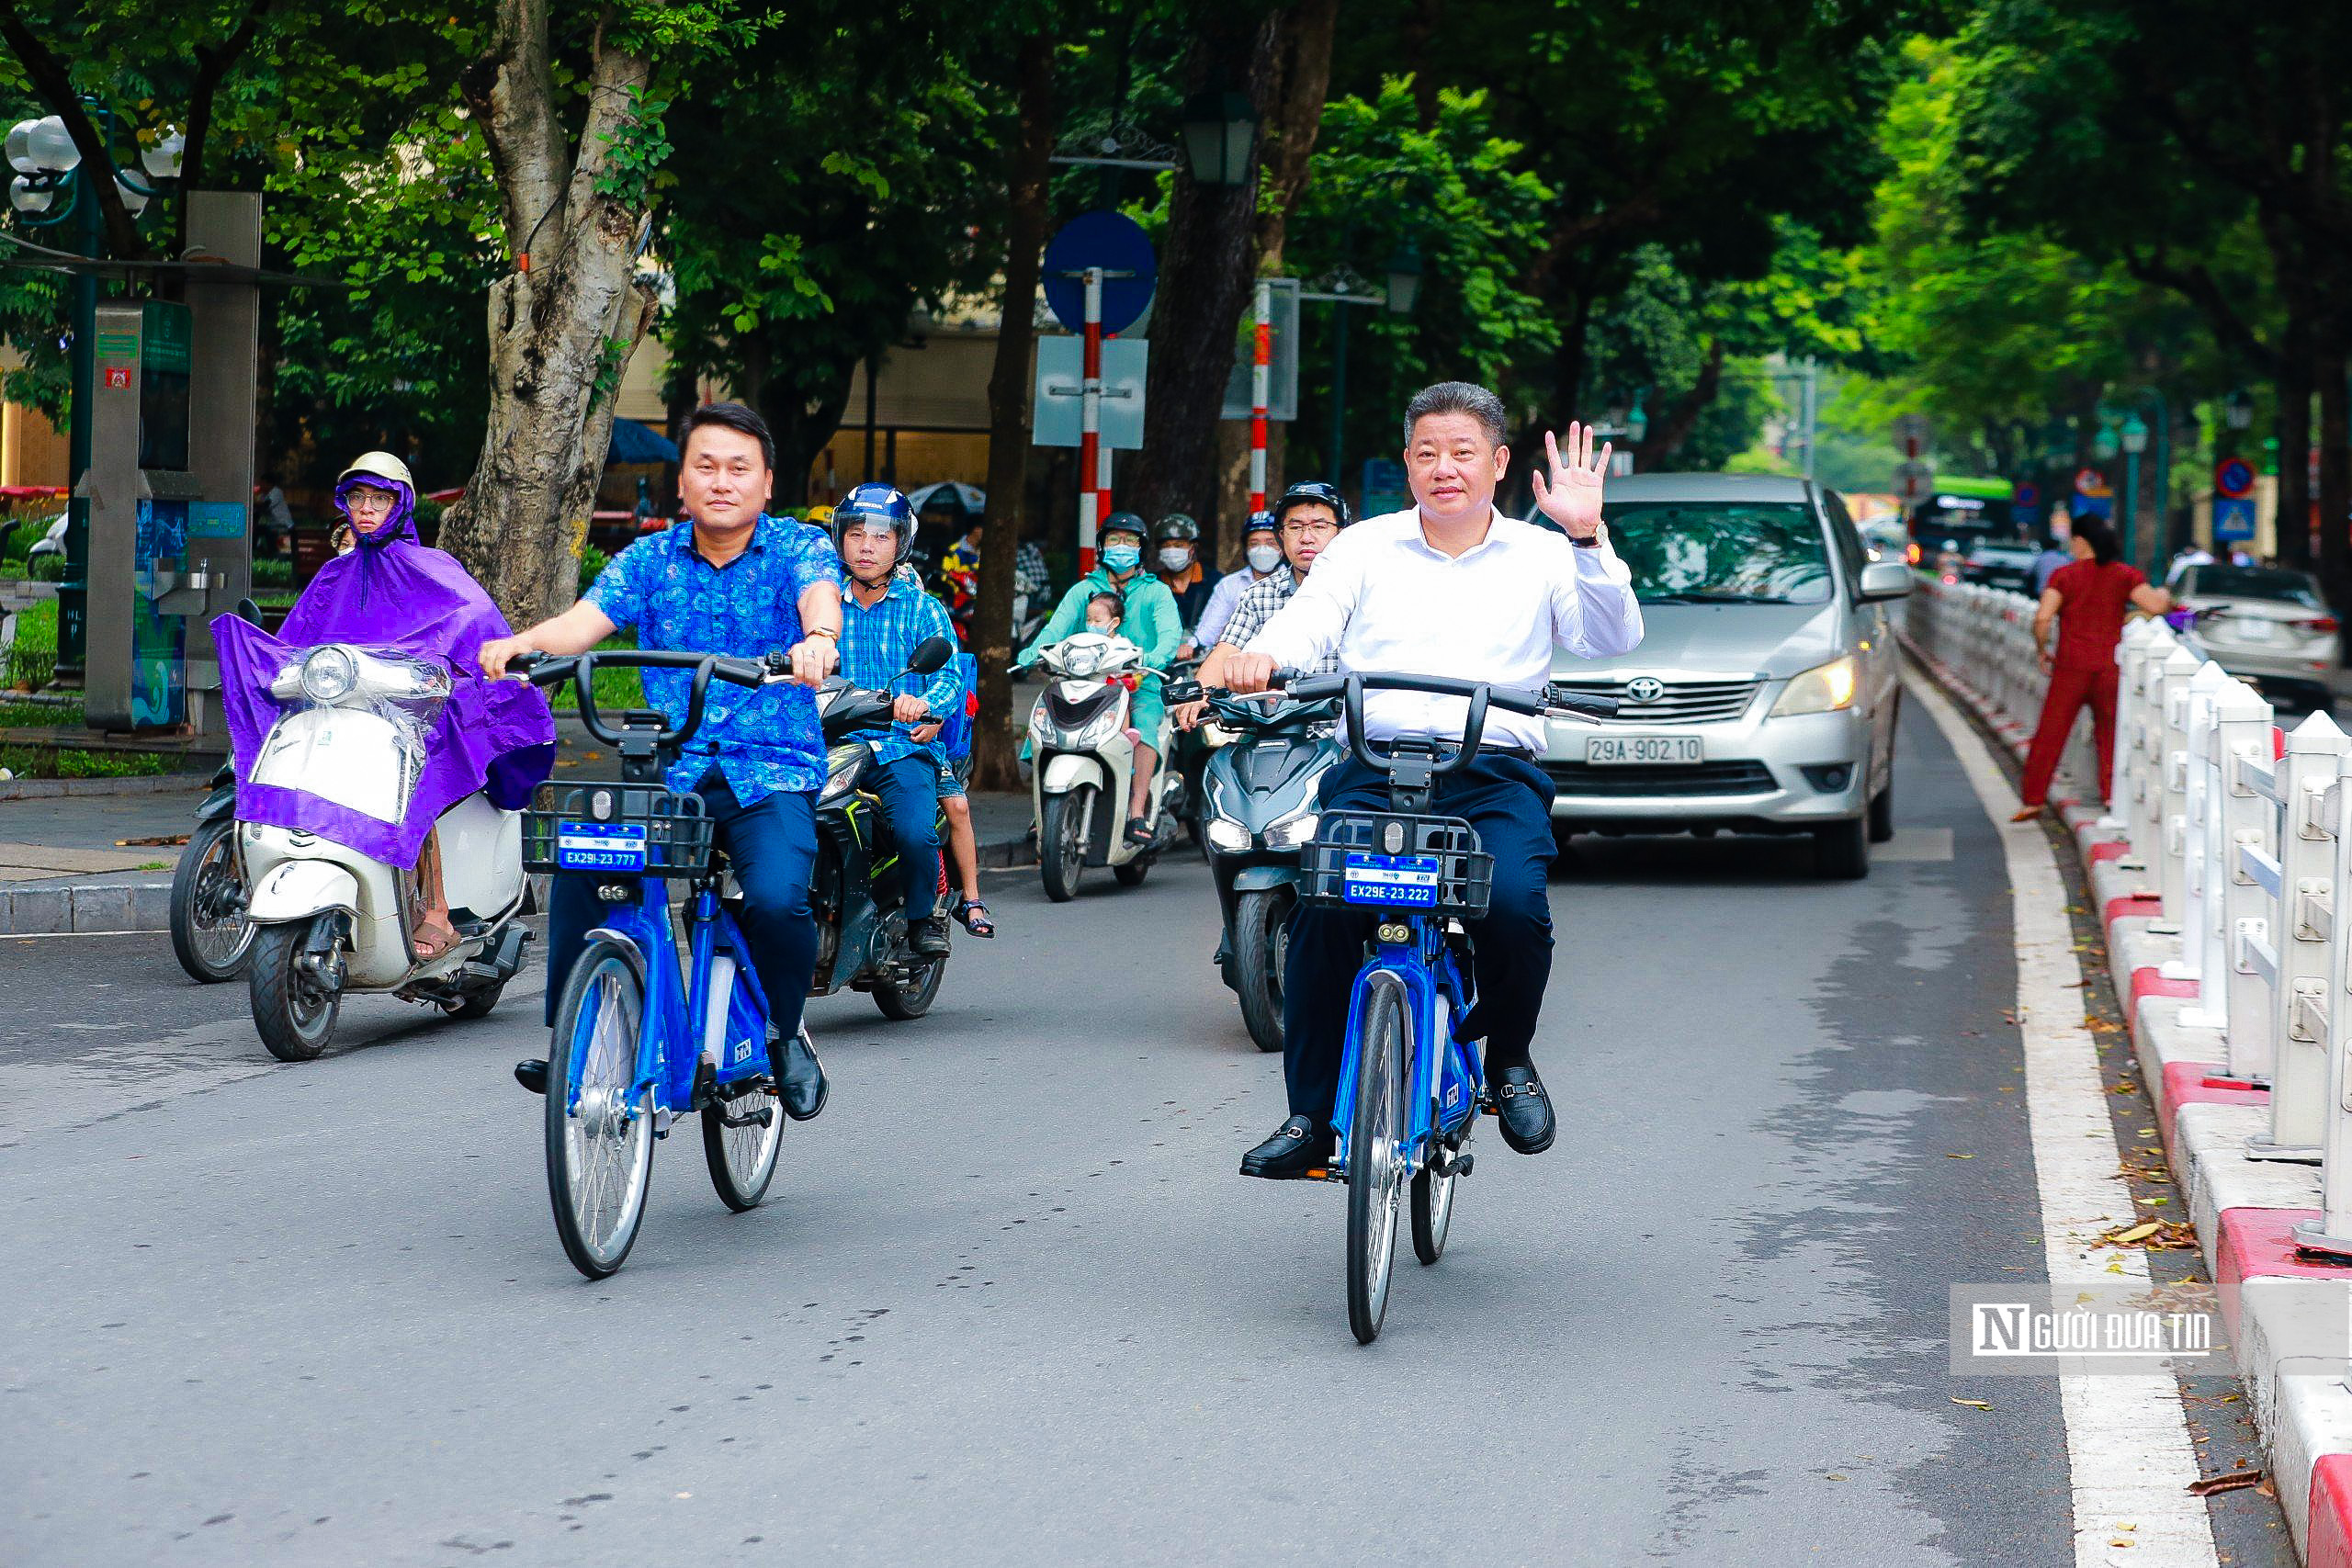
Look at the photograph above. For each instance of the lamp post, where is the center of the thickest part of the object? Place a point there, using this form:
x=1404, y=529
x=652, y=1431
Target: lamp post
x=2160, y=423
x=2134, y=440
x=1341, y=288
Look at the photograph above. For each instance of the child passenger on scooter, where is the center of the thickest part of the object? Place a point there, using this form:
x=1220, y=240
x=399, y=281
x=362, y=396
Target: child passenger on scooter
x=1103, y=614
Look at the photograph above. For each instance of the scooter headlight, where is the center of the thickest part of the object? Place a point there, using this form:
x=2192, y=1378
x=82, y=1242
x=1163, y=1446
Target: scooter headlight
x=1082, y=661
x=1225, y=833
x=843, y=767
x=1293, y=832
x=1100, y=727
x=329, y=673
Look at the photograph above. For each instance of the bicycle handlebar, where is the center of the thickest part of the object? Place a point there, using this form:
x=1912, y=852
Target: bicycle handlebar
x=1480, y=695
x=545, y=669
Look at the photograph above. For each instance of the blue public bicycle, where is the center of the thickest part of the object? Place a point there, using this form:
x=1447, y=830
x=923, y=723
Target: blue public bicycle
x=636, y=1043
x=1410, y=1090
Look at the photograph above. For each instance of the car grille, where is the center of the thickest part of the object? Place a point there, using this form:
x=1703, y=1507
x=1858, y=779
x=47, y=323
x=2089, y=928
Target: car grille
x=1702, y=778
x=1683, y=701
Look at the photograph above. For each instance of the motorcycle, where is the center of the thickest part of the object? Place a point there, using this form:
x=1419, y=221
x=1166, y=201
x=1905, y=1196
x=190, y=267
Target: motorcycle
x=1084, y=757
x=861, y=919
x=1258, y=816
x=329, y=920
x=210, y=935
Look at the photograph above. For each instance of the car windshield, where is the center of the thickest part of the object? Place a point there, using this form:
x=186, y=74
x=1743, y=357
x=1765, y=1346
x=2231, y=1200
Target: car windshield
x=2252, y=582
x=1723, y=552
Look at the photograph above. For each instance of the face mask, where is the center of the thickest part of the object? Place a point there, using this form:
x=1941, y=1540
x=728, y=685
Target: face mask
x=1121, y=557
x=1265, y=558
x=1175, y=558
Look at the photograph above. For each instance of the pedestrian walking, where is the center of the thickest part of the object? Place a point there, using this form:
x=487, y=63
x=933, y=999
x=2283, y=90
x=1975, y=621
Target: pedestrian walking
x=2089, y=601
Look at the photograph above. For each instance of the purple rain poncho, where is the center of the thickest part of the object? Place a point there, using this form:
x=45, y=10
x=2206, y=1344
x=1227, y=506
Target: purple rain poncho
x=391, y=595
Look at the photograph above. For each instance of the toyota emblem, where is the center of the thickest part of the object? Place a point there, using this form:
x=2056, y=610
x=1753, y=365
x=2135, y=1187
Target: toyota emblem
x=1644, y=689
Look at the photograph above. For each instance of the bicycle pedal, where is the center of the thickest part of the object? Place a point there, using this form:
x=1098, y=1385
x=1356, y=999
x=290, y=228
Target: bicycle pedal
x=1456, y=1164
x=759, y=1118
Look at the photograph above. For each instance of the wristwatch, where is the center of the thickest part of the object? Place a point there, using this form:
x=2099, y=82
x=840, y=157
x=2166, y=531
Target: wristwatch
x=1592, y=543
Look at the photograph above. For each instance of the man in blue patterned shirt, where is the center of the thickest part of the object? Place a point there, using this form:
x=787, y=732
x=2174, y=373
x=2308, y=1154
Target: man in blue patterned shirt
x=730, y=579
x=885, y=617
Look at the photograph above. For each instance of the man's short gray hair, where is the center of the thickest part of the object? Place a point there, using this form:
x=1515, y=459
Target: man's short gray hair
x=1457, y=396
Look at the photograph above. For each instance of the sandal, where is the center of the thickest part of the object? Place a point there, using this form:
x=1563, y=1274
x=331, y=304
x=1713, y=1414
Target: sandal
x=973, y=916
x=1138, y=832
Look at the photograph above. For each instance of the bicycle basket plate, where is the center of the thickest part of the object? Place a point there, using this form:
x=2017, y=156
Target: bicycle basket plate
x=600, y=846
x=1407, y=881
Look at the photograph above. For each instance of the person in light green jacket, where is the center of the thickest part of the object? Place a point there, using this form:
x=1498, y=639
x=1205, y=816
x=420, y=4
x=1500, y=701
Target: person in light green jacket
x=1151, y=624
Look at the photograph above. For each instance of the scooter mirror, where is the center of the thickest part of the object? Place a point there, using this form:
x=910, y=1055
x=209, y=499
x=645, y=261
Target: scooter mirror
x=931, y=656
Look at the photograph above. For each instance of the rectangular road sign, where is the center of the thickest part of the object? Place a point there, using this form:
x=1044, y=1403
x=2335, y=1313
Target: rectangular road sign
x=2233, y=517
x=1054, y=416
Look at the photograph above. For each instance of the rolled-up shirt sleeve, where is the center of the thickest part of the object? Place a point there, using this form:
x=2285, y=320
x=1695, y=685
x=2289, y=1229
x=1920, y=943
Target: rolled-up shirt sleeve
x=1306, y=632
x=1594, y=612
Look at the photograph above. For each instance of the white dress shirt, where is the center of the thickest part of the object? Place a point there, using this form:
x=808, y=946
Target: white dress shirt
x=1384, y=601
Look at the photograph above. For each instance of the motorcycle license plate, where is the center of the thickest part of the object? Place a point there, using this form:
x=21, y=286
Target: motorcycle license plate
x=600, y=846
x=1628, y=750
x=1409, y=881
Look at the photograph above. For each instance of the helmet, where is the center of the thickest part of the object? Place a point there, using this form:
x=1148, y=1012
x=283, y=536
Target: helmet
x=1261, y=522
x=1312, y=491
x=876, y=503
x=377, y=466
x=1176, y=525
x=1123, y=522
x=821, y=515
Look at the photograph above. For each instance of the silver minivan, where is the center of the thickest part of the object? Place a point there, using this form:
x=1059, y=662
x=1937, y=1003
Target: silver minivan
x=1763, y=696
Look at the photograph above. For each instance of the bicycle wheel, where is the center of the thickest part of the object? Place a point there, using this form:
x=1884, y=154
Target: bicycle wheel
x=600, y=1143
x=1433, y=1205
x=741, y=1157
x=1375, y=1150
x=210, y=932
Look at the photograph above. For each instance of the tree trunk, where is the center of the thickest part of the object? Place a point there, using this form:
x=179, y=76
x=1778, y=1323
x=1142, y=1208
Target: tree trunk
x=563, y=325
x=1669, y=434
x=1207, y=266
x=994, y=763
x=1302, y=82
x=2334, y=478
x=2294, y=433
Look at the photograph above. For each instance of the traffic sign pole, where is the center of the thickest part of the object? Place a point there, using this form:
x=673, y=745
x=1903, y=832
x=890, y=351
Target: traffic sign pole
x=1093, y=479
x=1261, y=387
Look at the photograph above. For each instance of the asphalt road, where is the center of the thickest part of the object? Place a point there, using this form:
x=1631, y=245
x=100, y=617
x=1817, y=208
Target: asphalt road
x=1010, y=1302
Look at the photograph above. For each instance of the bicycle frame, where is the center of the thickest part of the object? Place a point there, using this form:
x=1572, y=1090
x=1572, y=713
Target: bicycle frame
x=1442, y=1102
x=678, y=1026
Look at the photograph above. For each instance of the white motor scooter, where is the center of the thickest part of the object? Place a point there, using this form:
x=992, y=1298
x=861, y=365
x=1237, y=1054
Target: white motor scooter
x=1085, y=762
x=329, y=919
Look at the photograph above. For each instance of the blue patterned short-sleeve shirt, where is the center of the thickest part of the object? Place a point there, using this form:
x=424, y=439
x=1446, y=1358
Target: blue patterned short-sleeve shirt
x=761, y=738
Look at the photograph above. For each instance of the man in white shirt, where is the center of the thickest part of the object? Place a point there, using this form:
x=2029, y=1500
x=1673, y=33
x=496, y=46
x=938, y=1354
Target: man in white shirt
x=1450, y=588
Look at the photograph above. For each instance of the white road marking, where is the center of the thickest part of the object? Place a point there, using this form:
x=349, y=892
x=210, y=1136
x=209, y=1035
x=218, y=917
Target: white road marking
x=2126, y=1437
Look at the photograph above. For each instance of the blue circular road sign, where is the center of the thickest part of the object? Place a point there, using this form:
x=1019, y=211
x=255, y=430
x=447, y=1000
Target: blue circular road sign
x=2233, y=478
x=1116, y=243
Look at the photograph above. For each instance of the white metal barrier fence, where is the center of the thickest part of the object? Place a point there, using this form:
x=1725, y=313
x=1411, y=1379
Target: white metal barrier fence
x=2246, y=836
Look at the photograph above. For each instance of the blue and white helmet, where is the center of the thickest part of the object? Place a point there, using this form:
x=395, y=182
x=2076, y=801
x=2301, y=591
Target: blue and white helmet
x=871, y=504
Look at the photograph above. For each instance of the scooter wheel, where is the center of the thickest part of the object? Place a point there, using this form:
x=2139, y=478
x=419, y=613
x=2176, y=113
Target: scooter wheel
x=294, y=1017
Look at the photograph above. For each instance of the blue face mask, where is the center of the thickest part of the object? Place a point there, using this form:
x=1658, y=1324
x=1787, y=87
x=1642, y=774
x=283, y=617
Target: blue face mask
x=1121, y=557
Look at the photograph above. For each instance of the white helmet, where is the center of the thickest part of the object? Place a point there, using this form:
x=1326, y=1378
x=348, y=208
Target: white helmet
x=376, y=464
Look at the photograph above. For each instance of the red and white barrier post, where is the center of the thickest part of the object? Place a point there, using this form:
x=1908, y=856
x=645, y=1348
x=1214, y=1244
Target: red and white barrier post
x=1093, y=458
x=1260, y=386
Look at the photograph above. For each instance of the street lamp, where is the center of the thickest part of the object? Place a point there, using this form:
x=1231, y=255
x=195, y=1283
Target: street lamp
x=2105, y=444
x=1220, y=130
x=1637, y=419
x=2134, y=442
x=2237, y=410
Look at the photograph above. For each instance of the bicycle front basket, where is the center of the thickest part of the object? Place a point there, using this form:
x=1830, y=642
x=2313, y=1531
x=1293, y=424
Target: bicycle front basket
x=1373, y=861
x=616, y=829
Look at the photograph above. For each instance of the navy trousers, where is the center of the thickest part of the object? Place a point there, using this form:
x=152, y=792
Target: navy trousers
x=1510, y=803
x=909, y=790
x=771, y=845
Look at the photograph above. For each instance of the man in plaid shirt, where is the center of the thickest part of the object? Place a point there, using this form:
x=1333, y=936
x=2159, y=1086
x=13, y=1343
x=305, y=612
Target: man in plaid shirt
x=1309, y=516
x=885, y=614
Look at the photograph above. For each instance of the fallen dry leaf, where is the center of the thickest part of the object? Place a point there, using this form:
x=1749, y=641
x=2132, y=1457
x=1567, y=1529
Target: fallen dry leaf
x=1972, y=1403
x=2137, y=1233
x=2230, y=1481
x=1960, y=1156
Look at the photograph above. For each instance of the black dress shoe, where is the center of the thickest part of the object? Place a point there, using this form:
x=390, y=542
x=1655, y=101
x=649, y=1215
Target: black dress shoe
x=532, y=1074
x=1297, y=1148
x=1524, y=1110
x=804, y=1085
x=928, y=938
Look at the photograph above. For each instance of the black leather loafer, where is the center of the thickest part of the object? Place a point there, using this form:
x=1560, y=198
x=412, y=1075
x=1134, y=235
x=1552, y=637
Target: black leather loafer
x=805, y=1088
x=1524, y=1110
x=532, y=1074
x=1297, y=1148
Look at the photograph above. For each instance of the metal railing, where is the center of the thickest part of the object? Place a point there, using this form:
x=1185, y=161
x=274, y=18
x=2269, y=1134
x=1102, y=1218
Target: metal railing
x=2245, y=836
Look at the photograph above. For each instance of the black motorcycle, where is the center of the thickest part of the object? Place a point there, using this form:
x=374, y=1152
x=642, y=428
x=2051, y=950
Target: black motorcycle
x=861, y=917
x=1258, y=815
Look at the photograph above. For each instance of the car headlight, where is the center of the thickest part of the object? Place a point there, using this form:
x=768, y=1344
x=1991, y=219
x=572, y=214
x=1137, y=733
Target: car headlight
x=1825, y=688
x=1225, y=833
x=1292, y=831
x=329, y=673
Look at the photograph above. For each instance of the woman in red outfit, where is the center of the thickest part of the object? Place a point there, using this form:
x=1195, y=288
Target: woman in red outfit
x=2090, y=599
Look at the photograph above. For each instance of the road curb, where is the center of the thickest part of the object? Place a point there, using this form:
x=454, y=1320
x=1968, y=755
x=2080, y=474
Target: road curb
x=1001, y=854
x=99, y=906
x=56, y=789
x=2288, y=1318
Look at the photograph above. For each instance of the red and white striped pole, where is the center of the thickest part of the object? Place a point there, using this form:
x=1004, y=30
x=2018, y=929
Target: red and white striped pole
x=1093, y=459
x=1261, y=380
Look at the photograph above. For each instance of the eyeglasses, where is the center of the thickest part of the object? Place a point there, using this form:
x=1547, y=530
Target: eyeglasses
x=369, y=499
x=1301, y=527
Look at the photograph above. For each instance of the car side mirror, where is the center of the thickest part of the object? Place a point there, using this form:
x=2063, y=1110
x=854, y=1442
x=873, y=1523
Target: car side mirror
x=931, y=656
x=1885, y=579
